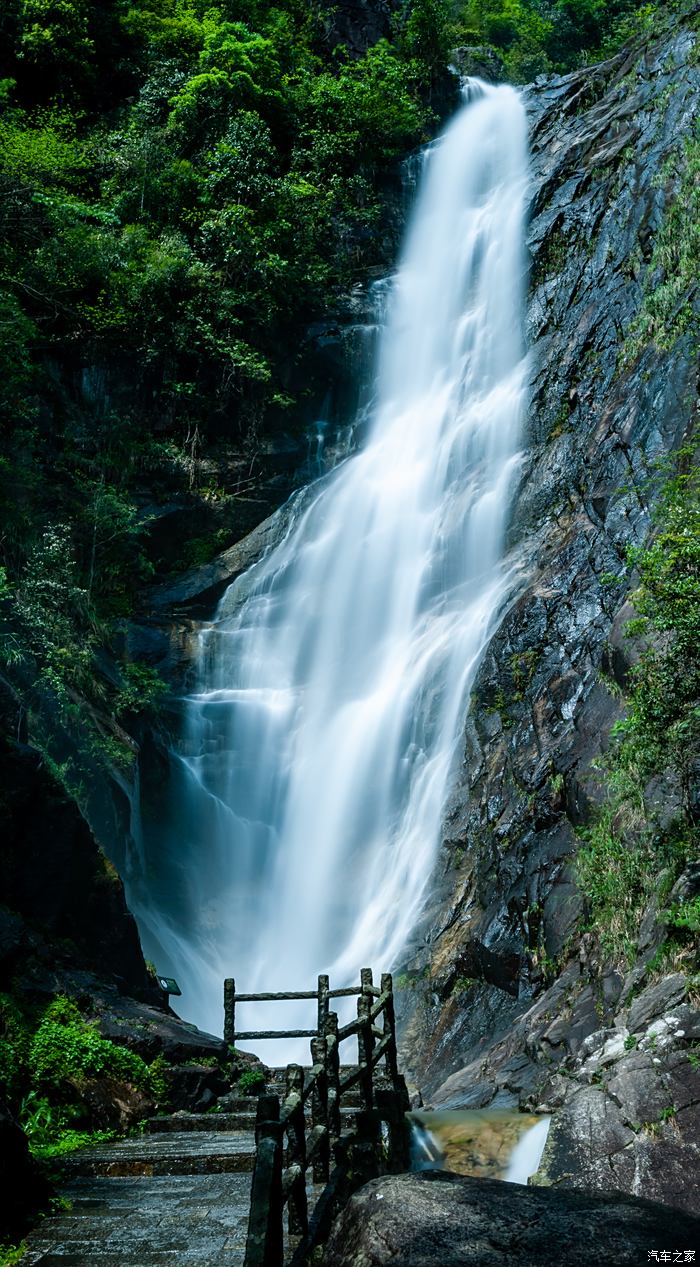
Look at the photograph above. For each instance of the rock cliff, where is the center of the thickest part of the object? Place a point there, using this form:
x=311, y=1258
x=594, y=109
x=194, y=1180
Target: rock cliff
x=504, y=999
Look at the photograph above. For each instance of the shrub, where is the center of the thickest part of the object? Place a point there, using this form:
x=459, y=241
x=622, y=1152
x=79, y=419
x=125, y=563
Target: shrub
x=66, y=1049
x=251, y=1081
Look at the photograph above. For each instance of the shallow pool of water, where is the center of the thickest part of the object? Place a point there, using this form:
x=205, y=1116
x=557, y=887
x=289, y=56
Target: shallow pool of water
x=495, y=1144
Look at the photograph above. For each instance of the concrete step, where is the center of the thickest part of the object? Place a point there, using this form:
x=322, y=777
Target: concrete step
x=168, y=1153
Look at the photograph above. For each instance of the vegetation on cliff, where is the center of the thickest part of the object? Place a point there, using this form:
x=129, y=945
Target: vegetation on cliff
x=648, y=828
x=534, y=37
x=50, y=1059
x=183, y=188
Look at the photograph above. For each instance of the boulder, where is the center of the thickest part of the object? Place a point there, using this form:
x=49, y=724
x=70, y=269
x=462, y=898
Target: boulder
x=111, y=1104
x=437, y=1219
x=151, y=1031
x=655, y=1000
x=635, y=1126
x=480, y=61
x=195, y=1088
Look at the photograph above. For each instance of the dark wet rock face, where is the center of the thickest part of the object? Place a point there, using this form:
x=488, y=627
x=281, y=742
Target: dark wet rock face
x=436, y=1219
x=357, y=24
x=501, y=989
x=23, y=1187
x=111, y=1104
x=150, y=1031
x=56, y=882
x=480, y=61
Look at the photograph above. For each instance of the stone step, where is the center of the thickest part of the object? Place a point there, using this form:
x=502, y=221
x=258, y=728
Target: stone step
x=187, y=1220
x=168, y=1153
x=276, y=1084
x=202, y=1122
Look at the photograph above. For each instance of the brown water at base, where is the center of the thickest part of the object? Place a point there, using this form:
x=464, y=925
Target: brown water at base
x=476, y=1142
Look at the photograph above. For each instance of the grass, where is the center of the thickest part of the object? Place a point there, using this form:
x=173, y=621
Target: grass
x=614, y=872
x=11, y=1254
x=669, y=307
x=69, y=1141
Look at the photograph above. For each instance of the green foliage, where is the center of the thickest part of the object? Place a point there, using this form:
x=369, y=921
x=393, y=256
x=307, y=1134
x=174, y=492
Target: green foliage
x=251, y=1081
x=463, y=984
x=614, y=871
x=670, y=306
x=428, y=35
x=142, y=689
x=48, y=603
x=662, y=727
x=47, y=1127
x=183, y=188
x=46, y=1058
x=41, y=149
x=158, y=1080
x=557, y=783
x=10, y=1255
x=628, y=854
x=684, y=917
x=64, y=1048
x=54, y=39
x=540, y=36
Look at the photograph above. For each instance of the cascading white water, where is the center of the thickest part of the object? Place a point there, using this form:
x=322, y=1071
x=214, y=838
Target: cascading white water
x=527, y=1154
x=335, y=677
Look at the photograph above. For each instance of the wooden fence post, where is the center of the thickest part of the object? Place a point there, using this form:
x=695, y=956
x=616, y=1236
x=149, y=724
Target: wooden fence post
x=229, y=1011
x=393, y=1108
x=333, y=1067
x=323, y=1004
x=391, y=1062
x=365, y=1043
x=365, y=1154
x=265, y=1242
x=319, y=1110
x=279, y=1175
x=296, y=1151
x=366, y=980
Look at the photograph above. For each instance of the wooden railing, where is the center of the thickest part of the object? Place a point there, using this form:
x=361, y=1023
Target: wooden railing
x=306, y=1130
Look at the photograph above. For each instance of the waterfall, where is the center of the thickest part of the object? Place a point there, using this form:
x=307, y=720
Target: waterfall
x=309, y=787
x=527, y=1154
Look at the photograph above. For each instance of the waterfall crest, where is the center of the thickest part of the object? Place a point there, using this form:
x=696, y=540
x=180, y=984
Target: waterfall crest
x=317, y=749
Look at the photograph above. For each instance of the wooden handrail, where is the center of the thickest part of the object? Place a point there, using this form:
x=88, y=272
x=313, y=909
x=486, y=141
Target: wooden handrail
x=322, y=994
x=297, y=994
x=247, y=1035
x=353, y=1027
x=287, y=1146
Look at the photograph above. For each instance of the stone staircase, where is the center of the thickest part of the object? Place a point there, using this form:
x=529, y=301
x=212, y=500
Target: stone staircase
x=179, y=1193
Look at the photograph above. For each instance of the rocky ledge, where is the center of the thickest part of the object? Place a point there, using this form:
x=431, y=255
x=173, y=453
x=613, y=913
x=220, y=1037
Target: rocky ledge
x=437, y=1219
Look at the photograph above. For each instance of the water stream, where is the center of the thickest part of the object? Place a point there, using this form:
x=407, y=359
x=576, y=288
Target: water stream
x=317, y=750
